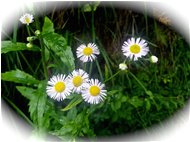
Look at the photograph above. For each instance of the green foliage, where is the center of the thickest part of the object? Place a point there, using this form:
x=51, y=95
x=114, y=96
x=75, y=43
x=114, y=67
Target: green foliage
x=77, y=99
x=90, y=7
x=19, y=76
x=47, y=27
x=58, y=45
x=8, y=46
x=143, y=95
x=37, y=105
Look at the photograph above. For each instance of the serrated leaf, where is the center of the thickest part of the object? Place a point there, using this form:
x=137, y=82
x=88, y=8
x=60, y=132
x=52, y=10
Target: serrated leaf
x=58, y=45
x=73, y=103
x=37, y=104
x=19, y=76
x=27, y=92
x=8, y=46
x=48, y=26
x=41, y=106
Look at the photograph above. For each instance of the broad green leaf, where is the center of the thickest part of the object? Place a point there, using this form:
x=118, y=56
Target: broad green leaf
x=19, y=76
x=41, y=107
x=30, y=94
x=8, y=46
x=27, y=92
x=75, y=101
x=58, y=45
x=37, y=104
x=117, y=105
x=48, y=26
x=72, y=113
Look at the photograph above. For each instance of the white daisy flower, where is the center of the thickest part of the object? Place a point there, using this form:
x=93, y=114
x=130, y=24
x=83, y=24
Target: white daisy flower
x=78, y=79
x=59, y=87
x=27, y=19
x=94, y=92
x=122, y=66
x=87, y=53
x=135, y=49
x=153, y=59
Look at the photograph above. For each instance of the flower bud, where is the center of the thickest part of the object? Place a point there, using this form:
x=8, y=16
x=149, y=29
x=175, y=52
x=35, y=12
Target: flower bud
x=122, y=66
x=153, y=59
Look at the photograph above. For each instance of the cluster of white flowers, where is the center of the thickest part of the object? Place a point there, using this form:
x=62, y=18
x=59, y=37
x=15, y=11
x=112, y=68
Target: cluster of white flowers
x=61, y=86
x=78, y=81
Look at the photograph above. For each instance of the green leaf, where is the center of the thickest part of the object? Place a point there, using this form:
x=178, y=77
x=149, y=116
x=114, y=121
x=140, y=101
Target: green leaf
x=8, y=46
x=136, y=102
x=148, y=105
x=37, y=104
x=41, y=107
x=72, y=113
x=58, y=45
x=149, y=93
x=19, y=76
x=48, y=26
x=27, y=92
x=73, y=103
x=89, y=7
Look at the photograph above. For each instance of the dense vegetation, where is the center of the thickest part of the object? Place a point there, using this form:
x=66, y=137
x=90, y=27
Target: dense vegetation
x=143, y=95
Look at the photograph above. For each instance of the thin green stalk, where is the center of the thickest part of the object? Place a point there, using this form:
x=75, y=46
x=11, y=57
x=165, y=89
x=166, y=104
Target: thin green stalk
x=92, y=23
x=94, y=38
x=18, y=110
x=133, y=27
x=84, y=66
x=28, y=64
x=15, y=32
x=143, y=123
x=90, y=69
x=146, y=18
x=112, y=76
x=42, y=50
x=99, y=70
x=38, y=66
x=137, y=81
x=14, y=41
x=146, y=91
x=6, y=35
x=18, y=60
x=28, y=30
x=107, y=60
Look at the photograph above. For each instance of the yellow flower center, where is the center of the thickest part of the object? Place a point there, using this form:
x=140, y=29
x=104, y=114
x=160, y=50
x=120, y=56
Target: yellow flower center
x=135, y=49
x=27, y=20
x=94, y=90
x=77, y=81
x=87, y=51
x=59, y=87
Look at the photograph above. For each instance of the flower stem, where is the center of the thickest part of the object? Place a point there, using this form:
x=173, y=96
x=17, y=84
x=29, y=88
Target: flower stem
x=138, y=81
x=99, y=70
x=42, y=50
x=90, y=70
x=28, y=30
x=112, y=76
x=149, y=93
